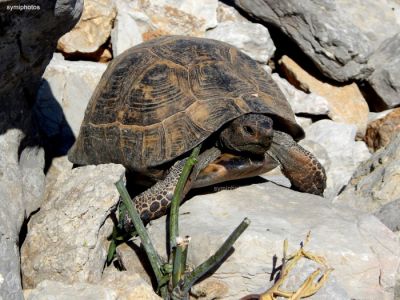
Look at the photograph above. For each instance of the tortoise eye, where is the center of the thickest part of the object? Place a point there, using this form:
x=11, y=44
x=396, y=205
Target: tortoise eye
x=249, y=130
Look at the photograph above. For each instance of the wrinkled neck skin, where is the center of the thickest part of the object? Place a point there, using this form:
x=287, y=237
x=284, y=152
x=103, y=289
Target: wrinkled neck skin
x=250, y=134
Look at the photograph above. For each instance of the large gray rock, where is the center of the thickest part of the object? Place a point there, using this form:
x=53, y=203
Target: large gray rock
x=363, y=252
x=344, y=153
x=28, y=38
x=337, y=35
x=67, y=238
x=376, y=181
x=385, y=80
x=27, y=41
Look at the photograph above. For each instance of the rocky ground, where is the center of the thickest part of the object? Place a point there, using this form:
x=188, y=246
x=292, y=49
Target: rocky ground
x=337, y=62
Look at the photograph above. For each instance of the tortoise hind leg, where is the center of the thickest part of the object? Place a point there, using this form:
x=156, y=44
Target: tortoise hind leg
x=301, y=167
x=155, y=201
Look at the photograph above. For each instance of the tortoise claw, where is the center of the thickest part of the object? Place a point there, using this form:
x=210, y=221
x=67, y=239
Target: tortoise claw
x=300, y=166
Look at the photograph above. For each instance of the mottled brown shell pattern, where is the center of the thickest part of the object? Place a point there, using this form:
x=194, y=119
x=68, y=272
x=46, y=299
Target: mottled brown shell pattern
x=161, y=98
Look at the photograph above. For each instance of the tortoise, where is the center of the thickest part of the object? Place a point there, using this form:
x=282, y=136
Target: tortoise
x=160, y=99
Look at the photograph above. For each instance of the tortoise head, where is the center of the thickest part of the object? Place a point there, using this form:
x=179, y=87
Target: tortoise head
x=250, y=133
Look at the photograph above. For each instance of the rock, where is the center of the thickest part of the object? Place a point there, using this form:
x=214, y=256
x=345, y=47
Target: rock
x=338, y=36
x=128, y=259
x=364, y=253
x=205, y=10
x=385, y=80
x=346, y=103
x=228, y=13
x=140, y=21
x=128, y=285
x=253, y=39
x=27, y=40
x=21, y=193
x=25, y=51
x=301, y=102
x=64, y=93
x=344, y=153
x=389, y=215
x=381, y=132
x=67, y=238
x=92, y=30
x=210, y=289
x=174, y=17
x=58, y=166
x=114, y=286
x=125, y=33
x=376, y=181
x=303, y=122
x=372, y=116
x=54, y=290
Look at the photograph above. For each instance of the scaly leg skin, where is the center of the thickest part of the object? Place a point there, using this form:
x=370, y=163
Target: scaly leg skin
x=301, y=167
x=155, y=201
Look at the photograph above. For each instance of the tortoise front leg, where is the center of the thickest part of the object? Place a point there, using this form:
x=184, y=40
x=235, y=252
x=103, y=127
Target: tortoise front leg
x=300, y=166
x=155, y=201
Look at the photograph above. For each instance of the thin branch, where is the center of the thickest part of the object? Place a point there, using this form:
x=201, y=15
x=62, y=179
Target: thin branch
x=176, y=200
x=153, y=256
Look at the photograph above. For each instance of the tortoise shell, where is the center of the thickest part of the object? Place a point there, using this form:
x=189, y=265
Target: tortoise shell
x=160, y=99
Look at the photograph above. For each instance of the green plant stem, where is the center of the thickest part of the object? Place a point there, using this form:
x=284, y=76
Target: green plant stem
x=213, y=260
x=176, y=200
x=153, y=256
x=180, y=256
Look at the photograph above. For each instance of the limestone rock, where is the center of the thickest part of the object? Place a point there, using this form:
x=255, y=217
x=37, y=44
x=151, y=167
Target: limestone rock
x=363, y=252
x=55, y=290
x=128, y=285
x=181, y=17
x=344, y=153
x=385, y=80
x=346, y=103
x=373, y=116
x=382, y=131
x=58, y=166
x=92, y=30
x=126, y=32
x=337, y=35
x=253, y=39
x=114, y=286
x=376, y=181
x=228, y=13
x=128, y=258
x=389, y=215
x=303, y=122
x=209, y=289
x=301, y=102
x=64, y=93
x=21, y=193
x=67, y=238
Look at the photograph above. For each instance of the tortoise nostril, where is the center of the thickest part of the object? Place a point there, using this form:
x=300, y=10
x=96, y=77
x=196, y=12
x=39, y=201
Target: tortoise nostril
x=249, y=130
